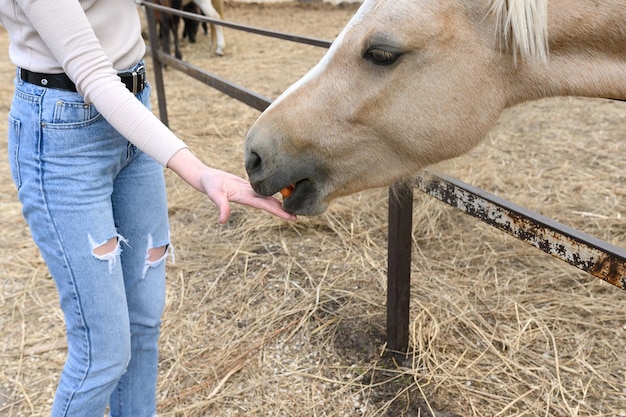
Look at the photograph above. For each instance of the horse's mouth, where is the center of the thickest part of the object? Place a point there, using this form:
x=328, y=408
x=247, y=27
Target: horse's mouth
x=287, y=191
x=301, y=197
x=294, y=190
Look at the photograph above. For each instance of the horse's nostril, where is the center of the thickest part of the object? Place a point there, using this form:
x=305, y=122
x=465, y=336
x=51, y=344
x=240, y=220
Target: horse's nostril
x=253, y=162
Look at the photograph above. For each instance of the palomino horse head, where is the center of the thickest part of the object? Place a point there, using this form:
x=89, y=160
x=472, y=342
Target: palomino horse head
x=406, y=84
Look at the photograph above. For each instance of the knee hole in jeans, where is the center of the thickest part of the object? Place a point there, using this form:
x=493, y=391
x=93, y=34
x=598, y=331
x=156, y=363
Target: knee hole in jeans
x=108, y=251
x=156, y=254
x=106, y=248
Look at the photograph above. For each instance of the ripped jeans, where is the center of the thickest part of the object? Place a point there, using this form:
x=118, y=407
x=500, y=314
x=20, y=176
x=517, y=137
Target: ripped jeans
x=96, y=207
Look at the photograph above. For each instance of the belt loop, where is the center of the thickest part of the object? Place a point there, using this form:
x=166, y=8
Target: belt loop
x=134, y=82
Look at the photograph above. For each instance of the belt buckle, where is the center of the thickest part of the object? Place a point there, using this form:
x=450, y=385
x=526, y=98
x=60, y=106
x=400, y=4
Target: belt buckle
x=139, y=79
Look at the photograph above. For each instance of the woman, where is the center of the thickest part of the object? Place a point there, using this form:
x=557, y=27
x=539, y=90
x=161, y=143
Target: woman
x=87, y=157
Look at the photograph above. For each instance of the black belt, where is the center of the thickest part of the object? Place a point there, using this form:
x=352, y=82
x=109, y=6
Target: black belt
x=135, y=81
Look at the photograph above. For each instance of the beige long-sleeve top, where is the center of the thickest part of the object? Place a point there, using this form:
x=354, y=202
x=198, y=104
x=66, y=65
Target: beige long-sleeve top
x=90, y=40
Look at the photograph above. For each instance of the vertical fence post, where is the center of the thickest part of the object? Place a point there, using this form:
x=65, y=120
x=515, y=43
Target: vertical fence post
x=156, y=63
x=399, y=266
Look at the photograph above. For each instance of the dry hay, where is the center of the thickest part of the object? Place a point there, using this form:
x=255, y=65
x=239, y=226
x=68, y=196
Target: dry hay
x=267, y=318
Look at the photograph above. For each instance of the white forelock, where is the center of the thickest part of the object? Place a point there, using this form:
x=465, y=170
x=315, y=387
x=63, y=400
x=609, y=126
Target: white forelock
x=523, y=25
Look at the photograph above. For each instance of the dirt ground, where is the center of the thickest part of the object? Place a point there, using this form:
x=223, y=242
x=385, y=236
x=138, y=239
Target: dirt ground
x=267, y=318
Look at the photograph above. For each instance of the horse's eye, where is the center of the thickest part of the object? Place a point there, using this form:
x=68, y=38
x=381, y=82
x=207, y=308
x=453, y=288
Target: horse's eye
x=381, y=57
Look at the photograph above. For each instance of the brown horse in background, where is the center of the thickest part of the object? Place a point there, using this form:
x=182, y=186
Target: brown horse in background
x=170, y=23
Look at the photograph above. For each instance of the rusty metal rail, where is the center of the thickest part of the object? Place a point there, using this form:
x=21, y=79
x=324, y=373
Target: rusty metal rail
x=592, y=255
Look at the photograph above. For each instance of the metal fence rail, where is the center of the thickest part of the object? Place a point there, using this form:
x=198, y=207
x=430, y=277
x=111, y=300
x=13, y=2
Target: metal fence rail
x=594, y=256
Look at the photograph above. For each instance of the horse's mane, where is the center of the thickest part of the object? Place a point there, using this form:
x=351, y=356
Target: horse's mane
x=523, y=26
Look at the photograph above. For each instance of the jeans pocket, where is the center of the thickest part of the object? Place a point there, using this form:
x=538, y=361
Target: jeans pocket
x=14, y=150
x=73, y=114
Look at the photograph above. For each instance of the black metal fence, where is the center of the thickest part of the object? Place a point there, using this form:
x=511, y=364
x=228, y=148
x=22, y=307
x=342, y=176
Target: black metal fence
x=596, y=257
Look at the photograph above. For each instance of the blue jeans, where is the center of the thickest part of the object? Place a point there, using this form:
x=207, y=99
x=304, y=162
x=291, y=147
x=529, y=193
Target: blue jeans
x=81, y=185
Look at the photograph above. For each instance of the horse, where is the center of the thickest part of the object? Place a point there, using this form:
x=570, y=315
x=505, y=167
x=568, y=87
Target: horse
x=409, y=83
x=191, y=26
x=170, y=23
x=215, y=10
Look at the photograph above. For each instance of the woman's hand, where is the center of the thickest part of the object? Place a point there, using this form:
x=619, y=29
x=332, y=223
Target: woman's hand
x=222, y=187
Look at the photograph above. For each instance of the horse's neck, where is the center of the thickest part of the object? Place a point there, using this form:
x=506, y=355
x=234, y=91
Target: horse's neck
x=587, y=53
